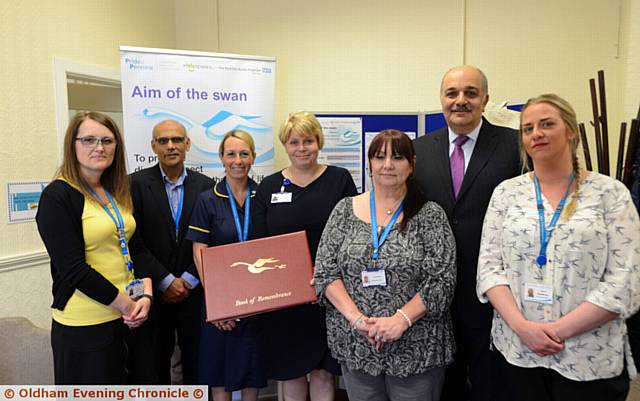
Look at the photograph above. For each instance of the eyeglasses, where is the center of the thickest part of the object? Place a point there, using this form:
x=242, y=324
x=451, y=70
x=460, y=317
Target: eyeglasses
x=92, y=141
x=175, y=139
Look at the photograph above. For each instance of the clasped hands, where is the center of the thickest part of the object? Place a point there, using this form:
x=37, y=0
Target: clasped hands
x=177, y=291
x=138, y=313
x=381, y=330
x=541, y=338
x=226, y=325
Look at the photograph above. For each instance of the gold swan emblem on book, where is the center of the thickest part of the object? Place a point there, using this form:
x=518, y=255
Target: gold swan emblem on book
x=259, y=265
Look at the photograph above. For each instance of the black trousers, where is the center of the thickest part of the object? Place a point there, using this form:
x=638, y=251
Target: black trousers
x=182, y=319
x=474, y=375
x=140, y=352
x=93, y=354
x=633, y=327
x=542, y=384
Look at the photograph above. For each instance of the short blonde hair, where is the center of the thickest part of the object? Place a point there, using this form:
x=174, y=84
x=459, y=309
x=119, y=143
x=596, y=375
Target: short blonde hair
x=244, y=136
x=304, y=124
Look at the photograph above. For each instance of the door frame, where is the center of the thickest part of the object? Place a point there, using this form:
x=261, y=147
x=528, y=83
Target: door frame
x=64, y=69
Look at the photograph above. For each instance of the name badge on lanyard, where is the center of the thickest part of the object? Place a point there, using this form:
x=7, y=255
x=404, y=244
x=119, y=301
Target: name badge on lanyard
x=282, y=196
x=135, y=289
x=539, y=293
x=372, y=276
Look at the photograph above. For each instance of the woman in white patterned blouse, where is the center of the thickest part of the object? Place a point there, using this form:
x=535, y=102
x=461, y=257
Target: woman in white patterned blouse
x=561, y=293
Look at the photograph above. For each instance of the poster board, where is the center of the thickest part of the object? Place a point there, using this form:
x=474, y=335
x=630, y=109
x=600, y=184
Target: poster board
x=209, y=93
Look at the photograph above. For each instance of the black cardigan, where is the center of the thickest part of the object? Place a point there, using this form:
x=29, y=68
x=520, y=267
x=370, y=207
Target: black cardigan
x=59, y=220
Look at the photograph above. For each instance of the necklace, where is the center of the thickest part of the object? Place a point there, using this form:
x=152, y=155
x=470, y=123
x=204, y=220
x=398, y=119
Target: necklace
x=388, y=212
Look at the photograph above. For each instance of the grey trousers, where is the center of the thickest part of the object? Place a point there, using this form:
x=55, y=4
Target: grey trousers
x=420, y=387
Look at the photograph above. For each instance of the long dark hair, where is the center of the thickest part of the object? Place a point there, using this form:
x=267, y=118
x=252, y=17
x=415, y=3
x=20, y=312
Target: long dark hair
x=401, y=145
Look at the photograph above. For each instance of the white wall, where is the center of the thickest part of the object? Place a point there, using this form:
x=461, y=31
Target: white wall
x=390, y=56
x=357, y=55
x=33, y=33
x=630, y=38
x=530, y=48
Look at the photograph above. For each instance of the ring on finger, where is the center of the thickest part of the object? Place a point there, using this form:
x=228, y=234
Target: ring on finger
x=378, y=337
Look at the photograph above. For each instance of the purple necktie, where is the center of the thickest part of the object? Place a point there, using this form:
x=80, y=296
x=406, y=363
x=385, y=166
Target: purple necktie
x=457, y=163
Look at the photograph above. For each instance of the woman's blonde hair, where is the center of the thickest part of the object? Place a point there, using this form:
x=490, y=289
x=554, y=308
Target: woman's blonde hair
x=568, y=116
x=114, y=179
x=244, y=136
x=304, y=124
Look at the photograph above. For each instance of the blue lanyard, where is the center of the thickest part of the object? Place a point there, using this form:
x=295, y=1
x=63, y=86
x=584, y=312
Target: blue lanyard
x=244, y=233
x=178, y=212
x=377, y=242
x=119, y=222
x=545, y=233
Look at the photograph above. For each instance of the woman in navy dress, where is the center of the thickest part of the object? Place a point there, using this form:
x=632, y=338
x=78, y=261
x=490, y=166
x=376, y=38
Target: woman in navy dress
x=230, y=351
x=296, y=338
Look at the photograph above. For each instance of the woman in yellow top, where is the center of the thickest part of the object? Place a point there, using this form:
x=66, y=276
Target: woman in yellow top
x=85, y=221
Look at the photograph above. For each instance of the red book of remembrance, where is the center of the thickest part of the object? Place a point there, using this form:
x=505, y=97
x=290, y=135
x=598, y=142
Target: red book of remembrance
x=247, y=278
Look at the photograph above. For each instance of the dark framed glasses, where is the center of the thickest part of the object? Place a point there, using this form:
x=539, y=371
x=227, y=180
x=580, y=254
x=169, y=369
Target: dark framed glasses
x=93, y=141
x=174, y=139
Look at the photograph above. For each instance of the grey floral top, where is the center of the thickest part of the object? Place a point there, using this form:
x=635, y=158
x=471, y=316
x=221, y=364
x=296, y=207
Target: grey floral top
x=419, y=260
x=594, y=257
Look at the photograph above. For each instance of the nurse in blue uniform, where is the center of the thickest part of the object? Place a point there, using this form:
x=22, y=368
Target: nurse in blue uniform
x=300, y=197
x=230, y=352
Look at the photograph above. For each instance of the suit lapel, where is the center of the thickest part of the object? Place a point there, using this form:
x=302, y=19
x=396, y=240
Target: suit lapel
x=157, y=189
x=483, y=150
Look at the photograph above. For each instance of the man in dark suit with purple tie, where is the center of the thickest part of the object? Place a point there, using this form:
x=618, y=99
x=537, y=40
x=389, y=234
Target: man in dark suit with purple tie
x=458, y=167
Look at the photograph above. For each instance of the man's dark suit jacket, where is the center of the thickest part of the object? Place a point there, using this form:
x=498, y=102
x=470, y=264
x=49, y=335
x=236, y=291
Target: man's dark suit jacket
x=154, y=221
x=495, y=158
x=163, y=255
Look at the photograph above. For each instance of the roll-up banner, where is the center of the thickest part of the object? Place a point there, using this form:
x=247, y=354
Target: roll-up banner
x=209, y=93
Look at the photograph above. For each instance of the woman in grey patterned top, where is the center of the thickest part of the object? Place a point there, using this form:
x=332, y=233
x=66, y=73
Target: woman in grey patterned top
x=562, y=294
x=388, y=320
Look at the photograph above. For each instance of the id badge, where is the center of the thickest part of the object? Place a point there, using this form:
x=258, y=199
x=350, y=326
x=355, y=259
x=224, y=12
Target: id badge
x=542, y=294
x=135, y=289
x=281, y=197
x=374, y=278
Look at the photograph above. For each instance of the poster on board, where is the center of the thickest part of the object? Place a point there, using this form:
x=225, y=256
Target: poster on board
x=343, y=145
x=209, y=93
x=22, y=200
